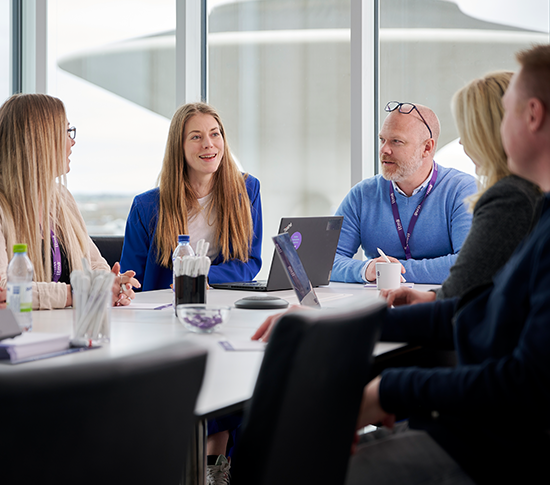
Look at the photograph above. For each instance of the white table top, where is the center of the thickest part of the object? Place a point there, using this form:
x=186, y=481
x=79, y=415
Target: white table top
x=230, y=376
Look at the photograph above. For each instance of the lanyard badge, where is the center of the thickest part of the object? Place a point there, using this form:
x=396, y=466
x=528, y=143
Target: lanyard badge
x=405, y=238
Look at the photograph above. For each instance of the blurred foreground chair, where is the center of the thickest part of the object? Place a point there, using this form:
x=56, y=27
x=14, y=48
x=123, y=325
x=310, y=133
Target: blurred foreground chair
x=110, y=247
x=300, y=424
x=113, y=421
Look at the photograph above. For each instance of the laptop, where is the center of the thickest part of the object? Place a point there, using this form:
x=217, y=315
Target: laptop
x=9, y=327
x=295, y=270
x=315, y=239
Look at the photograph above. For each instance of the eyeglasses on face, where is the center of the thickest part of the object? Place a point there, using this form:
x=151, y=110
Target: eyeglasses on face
x=72, y=132
x=406, y=108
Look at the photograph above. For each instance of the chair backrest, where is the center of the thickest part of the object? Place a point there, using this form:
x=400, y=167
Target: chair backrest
x=110, y=247
x=301, y=421
x=120, y=420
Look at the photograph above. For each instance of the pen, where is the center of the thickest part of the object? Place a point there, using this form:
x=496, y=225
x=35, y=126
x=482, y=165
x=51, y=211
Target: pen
x=381, y=253
x=162, y=307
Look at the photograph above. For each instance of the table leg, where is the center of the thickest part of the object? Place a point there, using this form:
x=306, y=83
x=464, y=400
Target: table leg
x=194, y=472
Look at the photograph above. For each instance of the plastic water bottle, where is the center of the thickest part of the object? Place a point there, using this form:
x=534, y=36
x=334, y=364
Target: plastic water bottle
x=182, y=249
x=19, y=294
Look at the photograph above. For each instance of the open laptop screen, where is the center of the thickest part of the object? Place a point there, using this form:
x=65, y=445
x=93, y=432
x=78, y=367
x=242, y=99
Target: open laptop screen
x=295, y=270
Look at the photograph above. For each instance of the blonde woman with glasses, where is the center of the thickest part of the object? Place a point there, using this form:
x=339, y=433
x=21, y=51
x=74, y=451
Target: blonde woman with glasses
x=36, y=208
x=505, y=206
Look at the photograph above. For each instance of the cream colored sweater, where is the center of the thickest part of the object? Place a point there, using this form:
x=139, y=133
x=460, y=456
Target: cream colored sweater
x=48, y=296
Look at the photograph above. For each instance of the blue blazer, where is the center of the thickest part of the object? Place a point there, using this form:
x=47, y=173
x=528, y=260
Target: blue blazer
x=139, y=252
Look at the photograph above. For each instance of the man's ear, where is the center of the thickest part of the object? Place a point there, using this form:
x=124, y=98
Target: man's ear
x=536, y=114
x=429, y=148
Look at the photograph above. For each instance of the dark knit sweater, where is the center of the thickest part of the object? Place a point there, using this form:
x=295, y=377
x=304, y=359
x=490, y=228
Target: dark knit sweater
x=502, y=217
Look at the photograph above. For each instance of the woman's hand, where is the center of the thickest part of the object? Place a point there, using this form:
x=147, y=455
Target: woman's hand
x=406, y=296
x=122, y=286
x=371, y=268
x=265, y=329
x=2, y=298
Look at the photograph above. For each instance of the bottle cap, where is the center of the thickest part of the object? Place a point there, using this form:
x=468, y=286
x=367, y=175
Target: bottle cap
x=183, y=238
x=19, y=248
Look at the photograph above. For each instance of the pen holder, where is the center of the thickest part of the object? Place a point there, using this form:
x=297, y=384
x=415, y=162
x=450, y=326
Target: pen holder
x=92, y=317
x=190, y=289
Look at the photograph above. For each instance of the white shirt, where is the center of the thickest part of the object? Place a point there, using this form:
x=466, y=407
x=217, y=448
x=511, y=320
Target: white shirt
x=200, y=228
x=418, y=189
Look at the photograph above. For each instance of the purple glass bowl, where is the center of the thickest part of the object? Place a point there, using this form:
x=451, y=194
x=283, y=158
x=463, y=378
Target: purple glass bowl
x=203, y=318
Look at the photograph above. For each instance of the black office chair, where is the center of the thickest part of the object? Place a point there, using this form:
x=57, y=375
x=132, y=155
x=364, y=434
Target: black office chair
x=115, y=421
x=301, y=421
x=110, y=247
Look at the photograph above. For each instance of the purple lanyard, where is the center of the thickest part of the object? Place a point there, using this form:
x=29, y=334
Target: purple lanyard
x=414, y=218
x=56, y=255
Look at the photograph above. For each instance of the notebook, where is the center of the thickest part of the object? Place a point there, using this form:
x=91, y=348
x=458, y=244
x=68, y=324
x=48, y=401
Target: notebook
x=33, y=344
x=295, y=270
x=315, y=239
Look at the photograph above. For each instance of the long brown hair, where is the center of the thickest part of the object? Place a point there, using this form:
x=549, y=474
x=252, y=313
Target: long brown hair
x=33, y=137
x=178, y=200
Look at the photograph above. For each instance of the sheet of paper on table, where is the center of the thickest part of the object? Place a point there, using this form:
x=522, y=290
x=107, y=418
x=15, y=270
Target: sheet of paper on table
x=145, y=306
x=243, y=345
x=322, y=297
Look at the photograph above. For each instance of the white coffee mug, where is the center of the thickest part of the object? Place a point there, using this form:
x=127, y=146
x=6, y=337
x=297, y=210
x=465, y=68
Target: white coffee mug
x=388, y=275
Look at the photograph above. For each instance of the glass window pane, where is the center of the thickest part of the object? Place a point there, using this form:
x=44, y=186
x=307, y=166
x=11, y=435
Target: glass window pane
x=113, y=65
x=430, y=49
x=5, y=45
x=279, y=73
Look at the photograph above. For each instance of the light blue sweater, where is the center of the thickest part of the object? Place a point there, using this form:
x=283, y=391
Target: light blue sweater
x=437, y=237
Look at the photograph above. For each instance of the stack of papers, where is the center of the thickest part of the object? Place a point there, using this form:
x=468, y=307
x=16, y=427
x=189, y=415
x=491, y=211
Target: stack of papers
x=32, y=344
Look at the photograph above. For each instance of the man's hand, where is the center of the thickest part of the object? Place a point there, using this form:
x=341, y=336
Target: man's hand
x=265, y=329
x=406, y=296
x=371, y=268
x=370, y=411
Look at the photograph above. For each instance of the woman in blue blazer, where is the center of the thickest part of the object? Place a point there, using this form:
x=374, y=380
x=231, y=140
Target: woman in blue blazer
x=200, y=192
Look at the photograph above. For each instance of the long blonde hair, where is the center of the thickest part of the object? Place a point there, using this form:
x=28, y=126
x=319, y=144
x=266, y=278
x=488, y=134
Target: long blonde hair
x=178, y=200
x=478, y=113
x=33, y=137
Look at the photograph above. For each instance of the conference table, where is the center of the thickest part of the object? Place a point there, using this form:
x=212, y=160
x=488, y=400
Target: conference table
x=230, y=376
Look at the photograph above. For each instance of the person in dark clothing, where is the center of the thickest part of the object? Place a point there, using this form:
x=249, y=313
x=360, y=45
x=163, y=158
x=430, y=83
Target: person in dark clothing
x=486, y=419
x=506, y=207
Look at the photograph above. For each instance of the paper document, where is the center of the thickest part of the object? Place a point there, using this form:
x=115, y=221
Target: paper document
x=243, y=345
x=145, y=306
x=30, y=344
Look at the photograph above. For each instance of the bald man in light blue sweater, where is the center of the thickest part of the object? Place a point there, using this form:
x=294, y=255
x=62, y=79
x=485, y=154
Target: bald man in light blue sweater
x=414, y=211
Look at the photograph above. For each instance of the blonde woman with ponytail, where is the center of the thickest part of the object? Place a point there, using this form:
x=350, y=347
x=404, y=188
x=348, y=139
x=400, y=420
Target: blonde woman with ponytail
x=35, y=206
x=200, y=192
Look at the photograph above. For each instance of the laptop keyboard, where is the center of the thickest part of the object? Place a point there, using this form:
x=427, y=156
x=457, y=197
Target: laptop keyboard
x=254, y=283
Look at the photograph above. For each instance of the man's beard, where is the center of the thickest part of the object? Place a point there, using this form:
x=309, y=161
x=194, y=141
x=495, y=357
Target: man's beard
x=399, y=171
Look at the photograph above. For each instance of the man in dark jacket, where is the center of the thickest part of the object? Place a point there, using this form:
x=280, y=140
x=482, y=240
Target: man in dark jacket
x=488, y=418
